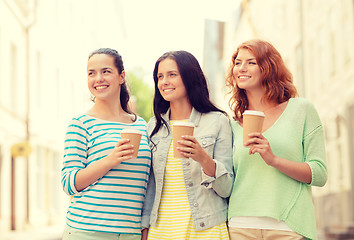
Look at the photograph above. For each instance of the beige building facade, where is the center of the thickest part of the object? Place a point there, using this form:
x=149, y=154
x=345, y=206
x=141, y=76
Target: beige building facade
x=44, y=47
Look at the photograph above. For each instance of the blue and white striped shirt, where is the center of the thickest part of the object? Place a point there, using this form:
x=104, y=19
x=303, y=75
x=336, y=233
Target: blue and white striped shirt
x=114, y=202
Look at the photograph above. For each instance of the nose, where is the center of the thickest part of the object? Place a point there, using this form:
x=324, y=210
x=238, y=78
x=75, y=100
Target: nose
x=243, y=67
x=99, y=77
x=164, y=80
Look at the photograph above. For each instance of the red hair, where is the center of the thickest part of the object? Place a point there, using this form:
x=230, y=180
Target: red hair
x=276, y=78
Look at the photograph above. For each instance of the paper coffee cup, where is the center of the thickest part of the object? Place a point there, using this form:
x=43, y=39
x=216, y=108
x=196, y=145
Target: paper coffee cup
x=252, y=122
x=180, y=128
x=134, y=136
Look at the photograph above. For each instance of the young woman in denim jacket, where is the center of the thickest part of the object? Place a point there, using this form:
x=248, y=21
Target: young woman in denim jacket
x=187, y=197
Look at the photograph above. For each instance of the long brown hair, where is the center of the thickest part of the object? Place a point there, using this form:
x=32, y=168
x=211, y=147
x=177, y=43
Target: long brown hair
x=194, y=81
x=276, y=78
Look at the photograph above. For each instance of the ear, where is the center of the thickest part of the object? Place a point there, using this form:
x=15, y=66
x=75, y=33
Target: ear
x=122, y=77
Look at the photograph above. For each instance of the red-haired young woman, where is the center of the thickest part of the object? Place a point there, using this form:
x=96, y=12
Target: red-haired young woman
x=275, y=169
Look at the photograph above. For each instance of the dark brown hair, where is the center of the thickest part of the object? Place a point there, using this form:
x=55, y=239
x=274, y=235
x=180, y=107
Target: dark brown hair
x=194, y=81
x=118, y=62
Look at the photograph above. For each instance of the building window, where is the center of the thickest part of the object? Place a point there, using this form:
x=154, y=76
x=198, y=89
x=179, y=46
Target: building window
x=351, y=146
x=57, y=92
x=1, y=81
x=54, y=179
x=1, y=174
x=40, y=181
x=299, y=53
x=38, y=80
x=14, y=78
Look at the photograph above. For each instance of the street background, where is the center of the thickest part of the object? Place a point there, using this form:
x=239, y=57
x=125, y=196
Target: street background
x=44, y=45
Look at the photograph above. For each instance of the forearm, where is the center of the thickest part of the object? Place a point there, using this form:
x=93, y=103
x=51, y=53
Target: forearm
x=299, y=171
x=144, y=233
x=92, y=173
x=209, y=166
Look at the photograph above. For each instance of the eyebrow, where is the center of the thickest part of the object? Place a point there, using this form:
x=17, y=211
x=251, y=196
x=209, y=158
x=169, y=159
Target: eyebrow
x=172, y=71
x=104, y=68
x=237, y=59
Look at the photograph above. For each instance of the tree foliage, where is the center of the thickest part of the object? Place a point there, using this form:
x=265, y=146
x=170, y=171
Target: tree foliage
x=141, y=94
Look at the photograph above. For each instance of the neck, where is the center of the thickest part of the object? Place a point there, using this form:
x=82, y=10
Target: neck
x=255, y=102
x=107, y=110
x=180, y=110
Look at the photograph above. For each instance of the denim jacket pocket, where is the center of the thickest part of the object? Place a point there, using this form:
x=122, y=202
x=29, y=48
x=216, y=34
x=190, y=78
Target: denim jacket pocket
x=207, y=143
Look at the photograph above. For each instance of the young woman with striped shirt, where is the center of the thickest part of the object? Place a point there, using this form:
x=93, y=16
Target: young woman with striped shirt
x=108, y=185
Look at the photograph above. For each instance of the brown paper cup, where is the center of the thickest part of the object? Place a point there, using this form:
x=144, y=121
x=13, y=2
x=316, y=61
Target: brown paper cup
x=252, y=122
x=134, y=136
x=180, y=128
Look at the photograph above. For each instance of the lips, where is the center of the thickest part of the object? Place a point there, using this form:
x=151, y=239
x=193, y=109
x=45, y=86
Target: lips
x=167, y=90
x=241, y=77
x=101, y=87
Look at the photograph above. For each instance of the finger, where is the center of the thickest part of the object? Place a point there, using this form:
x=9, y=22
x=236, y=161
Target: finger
x=126, y=153
x=189, y=137
x=255, y=135
x=256, y=140
x=185, y=149
x=126, y=147
x=259, y=149
x=185, y=143
x=251, y=142
x=187, y=154
x=122, y=142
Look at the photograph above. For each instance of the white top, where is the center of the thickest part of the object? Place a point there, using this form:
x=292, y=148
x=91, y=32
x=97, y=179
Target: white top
x=258, y=223
x=183, y=123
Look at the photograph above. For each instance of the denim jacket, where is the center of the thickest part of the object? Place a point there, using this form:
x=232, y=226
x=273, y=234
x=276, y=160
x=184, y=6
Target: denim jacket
x=207, y=195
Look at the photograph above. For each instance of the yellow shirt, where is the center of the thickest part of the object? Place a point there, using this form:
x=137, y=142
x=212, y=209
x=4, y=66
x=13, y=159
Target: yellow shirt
x=174, y=216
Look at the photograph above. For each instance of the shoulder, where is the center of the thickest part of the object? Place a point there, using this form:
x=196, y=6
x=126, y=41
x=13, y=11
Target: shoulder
x=80, y=124
x=301, y=102
x=303, y=105
x=215, y=120
x=81, y=119
x=140, y=120
x=217, y=116
x=305, y=109
x=152, y=120
x=151, y=125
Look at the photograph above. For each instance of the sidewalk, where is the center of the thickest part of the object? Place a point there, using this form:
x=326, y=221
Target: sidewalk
x=47, y=233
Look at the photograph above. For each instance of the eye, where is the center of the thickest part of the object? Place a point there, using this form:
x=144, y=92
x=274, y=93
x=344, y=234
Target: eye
x=237, y=63
x=90, y=74
x=159, y=77
x=173, y=74
x=106, y=71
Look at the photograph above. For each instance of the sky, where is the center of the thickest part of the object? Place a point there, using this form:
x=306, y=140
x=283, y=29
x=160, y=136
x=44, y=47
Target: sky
x=156, y=26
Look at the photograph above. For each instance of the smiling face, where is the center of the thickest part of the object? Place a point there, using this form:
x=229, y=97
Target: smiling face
x=170, y=83
x=103, y=77
x=246, y=71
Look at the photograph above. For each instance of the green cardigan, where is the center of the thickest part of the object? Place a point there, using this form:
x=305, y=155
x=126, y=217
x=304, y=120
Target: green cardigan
x=261, y=190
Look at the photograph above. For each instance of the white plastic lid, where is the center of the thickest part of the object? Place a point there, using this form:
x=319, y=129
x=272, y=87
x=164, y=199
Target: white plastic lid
x=253, y=112
x=183, y=123
x=130, y=130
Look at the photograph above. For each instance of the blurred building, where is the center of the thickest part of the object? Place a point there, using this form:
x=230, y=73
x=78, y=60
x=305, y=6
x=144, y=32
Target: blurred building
x=316, y=40
x=213, y=59
x=44, y=47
